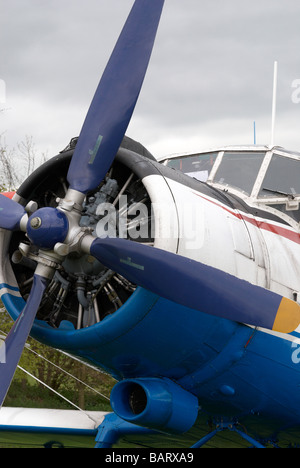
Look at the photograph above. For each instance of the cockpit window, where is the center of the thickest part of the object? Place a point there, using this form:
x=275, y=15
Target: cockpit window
x=282, y=178
x=239, y=170
x=197, y=165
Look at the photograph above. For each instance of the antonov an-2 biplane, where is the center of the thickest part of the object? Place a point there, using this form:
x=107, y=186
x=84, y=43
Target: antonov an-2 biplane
x=179, y=278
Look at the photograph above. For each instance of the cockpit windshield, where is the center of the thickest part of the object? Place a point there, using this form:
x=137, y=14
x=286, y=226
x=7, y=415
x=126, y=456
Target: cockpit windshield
x=239, y=170
x=196, y=165
x=282, y=178
x=268, y=177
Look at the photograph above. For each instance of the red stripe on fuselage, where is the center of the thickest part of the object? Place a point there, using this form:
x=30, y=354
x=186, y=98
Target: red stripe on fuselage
x=279, y=230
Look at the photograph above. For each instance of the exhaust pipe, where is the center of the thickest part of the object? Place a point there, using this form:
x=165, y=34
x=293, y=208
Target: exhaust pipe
x=155, y=403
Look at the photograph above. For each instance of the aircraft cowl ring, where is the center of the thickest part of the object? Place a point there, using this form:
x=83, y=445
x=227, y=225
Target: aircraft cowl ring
x=46, y=227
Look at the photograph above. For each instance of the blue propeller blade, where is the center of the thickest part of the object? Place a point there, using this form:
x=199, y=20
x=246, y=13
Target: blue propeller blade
x=115, y=98
x=196, y=285
x=11, y=213
x=16, y=339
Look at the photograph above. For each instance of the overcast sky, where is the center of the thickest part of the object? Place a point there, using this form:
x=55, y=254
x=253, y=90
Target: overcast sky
x=210, y=75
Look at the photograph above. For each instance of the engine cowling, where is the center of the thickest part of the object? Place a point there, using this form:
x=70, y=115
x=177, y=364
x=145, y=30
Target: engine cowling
x=83, y=292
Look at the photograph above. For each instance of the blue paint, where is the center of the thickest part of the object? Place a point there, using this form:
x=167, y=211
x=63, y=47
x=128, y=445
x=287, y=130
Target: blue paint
x=11, y=213
x=46, y=227
x=16, y=339
x=48, y=430
x=165, y=405
x=150, y=336
x=115, y=98
x=8, y=286
x=223, y=427
x=204, y=288
x=113, y=428
x=227, y=390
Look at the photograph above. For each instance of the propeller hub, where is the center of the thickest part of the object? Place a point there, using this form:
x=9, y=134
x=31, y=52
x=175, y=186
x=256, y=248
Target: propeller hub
x=46, y=227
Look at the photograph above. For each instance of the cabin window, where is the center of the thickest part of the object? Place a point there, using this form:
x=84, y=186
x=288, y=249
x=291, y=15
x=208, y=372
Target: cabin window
x=197, y=165
x=239, y=170
x=282, y=178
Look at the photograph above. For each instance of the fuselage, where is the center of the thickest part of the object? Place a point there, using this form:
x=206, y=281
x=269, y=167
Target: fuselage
x=231, y=223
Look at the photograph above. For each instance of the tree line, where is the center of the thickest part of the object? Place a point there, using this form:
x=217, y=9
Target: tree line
x=16, y=164
x=54, y=379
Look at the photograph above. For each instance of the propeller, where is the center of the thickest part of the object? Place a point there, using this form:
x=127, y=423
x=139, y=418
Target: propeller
x=57, y=230
x=101, y=135
x=115, y=98
x=195, y=285
x=11, y=214
x=16, y=339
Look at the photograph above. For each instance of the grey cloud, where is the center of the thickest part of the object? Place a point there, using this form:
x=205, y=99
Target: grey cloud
x=212, y=64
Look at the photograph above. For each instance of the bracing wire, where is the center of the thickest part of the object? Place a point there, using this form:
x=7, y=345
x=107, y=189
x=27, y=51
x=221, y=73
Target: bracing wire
x=62, y=370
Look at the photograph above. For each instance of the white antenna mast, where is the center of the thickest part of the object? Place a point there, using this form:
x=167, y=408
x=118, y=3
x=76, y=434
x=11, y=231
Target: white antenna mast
x=274, y=103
